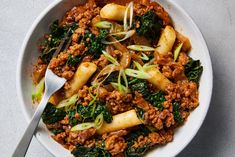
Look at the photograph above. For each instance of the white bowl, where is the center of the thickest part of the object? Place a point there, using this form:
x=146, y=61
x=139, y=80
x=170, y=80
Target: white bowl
x=183, y=24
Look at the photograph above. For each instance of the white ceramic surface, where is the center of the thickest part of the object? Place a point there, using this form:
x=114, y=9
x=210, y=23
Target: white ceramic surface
x=183, y=24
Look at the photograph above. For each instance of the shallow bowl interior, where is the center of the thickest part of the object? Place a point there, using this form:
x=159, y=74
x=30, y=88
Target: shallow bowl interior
x=183, y=24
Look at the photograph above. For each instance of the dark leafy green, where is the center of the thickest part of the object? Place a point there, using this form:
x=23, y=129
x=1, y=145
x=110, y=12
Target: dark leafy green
x=131, y=138
x=72, y=120
x=56, y=131
x=140, y=86
x=140, y=112
x=150, y=25
x=72, y=61
x=82, y=151
x=193, y=70
x=94, y=44
x=176, y=112
x=157, y=99
x=89, y=113
x=52, y=115
x=53, y=40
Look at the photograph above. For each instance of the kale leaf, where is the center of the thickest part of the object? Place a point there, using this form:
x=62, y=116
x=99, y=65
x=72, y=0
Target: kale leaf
x=72, y=120
x=72, y=61
x=140, y=86
x=131, y=138
x=89, y=113
x=157, y=99
x=176, y=112
x=140, y=112
x=81, y=151
x=94, y=44
x=150, y=25
x=52, y=41
x=193, y=70
x=56, y=131
x=52, y=115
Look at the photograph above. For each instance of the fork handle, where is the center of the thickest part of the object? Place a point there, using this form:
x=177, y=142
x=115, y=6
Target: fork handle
x=23, y=145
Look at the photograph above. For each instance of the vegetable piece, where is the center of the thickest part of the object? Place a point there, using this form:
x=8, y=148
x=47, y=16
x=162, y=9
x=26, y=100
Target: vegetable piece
x=68, y=102
x=166, y=41
x=104, y=24
x=56, y=131
x=83, y=126
x=72, y=120
x=193, y=70
x=140, y=48
x=130, y=10
x=113, y=12
x=95, y=44
x=99, y=121
x=177, y=51
x=157, y=99
x=186, y=42
x=121, y=121
x=158, y=79
x=140, y=86
x=132, y=137
x=38, y=92
x=52, y=115
x=126, y=56
x=176, y=112
x=89, y=113
x=149, y=25
x=110, y=58
x=72, y=61
x=123, y=36
x=81, y=151
x=82, y=75
x=54, y=39
x=144, y=57
x=137, y=73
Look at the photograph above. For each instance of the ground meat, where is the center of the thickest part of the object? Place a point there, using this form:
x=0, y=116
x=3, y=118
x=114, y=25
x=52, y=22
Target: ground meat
x=101, y=62
x=170, y=68
x=118, y=102
x=185, y=92
x=79, y=137
x=160, y=137
x=84, y=96
x=141, y=7
x=115, y=144
x=153, y=116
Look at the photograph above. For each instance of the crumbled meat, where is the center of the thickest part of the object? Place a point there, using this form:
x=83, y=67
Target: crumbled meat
x=184, y=92
x=115, y=144
x=118, y=102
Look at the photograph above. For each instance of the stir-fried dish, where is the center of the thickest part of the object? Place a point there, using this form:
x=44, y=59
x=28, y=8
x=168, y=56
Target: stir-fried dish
x=130, y=80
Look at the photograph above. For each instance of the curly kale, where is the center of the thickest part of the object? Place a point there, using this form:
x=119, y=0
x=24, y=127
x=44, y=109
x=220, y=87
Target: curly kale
x=94, y=44
x=72, y=61
x=53, y=40
x=176, y=112
x=193, y=70
x=140, y=86
x=52, y=115
x=157, y=99
x=140, y=112
x=89, y=113
x=72, y=120
x=81, y=151
x=56, y=131
x=150, y=25
x=131, y=138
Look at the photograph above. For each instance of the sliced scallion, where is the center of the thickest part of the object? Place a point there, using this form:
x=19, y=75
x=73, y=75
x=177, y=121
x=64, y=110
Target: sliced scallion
x=140, y=48
x=38, y=92
x=177, y=51
x=110, y=58
x=68, y=102
x=104, y=24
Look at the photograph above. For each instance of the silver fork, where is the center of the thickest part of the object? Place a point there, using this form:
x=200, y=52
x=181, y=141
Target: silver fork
x=52, y=84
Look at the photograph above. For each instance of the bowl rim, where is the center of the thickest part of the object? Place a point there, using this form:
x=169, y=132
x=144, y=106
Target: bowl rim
x=51, y=6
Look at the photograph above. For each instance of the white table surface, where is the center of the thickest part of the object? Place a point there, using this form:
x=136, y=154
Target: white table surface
x=215, y=18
